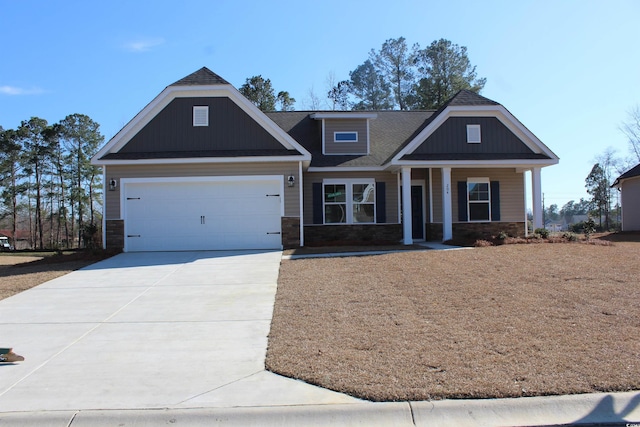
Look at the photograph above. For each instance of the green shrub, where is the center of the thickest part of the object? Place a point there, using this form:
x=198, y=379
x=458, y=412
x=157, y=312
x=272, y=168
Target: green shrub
x=502, y=235
x=589, y=228
x=542, y=232
x=570, y=237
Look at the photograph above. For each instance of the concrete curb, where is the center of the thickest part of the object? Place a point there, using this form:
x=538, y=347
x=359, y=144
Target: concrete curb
x=586, y=409
x=589, y=409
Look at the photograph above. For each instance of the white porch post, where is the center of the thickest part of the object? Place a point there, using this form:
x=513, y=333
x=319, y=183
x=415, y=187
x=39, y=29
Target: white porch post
x=407, y=230
x=447, y=222
x=536, y=191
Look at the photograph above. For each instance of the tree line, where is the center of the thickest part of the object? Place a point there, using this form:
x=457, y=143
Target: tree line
x=47, y=183
x=396, y=76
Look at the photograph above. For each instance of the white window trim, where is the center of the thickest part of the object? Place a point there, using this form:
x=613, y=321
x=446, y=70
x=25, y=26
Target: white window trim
x=482, y=180
x=471, y=129
x=198, y=110
x=335, y=134
x=348, y=183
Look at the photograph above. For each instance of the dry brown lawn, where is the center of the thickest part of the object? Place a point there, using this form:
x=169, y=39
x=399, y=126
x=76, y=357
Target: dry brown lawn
x=505, y=321
x=19, y=272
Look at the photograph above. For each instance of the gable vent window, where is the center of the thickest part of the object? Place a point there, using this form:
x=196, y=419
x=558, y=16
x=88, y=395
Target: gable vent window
x=345, y=137
x=473, y=134
x=201, y=116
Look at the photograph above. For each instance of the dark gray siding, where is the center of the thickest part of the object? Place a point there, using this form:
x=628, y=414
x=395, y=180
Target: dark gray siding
x=229, y=128
x=451, y=137
x=346, y=125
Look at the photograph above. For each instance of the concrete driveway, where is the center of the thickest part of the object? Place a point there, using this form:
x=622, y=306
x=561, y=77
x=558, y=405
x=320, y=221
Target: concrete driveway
x=149, y=330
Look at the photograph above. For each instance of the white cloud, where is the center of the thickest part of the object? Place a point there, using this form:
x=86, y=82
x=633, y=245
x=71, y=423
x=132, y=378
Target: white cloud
x=143, y=45
x=14, y=90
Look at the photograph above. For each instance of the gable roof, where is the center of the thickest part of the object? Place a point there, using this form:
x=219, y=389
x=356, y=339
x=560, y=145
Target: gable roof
x=468, y=97
x=631, y=173
x=202, y=77
x=204, y=84
x=467, y=103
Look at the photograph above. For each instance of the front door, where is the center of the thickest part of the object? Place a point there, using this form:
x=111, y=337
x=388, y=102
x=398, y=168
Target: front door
x=417, y=213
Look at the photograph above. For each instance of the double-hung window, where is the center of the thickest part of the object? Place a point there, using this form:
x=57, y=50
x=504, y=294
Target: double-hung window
x=478, y=199
x=349, y=201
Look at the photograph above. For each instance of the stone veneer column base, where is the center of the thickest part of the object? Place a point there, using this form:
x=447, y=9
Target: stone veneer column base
x=290, y=232
x=114, y=234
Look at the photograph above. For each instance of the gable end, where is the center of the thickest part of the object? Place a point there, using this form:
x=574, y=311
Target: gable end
x=452, y=138
x=228, y=128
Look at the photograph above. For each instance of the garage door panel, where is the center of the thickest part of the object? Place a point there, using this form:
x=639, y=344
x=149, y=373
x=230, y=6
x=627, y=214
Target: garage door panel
x=241, y=214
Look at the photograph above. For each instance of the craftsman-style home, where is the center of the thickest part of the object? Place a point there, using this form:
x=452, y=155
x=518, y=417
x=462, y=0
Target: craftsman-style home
x=202, y=168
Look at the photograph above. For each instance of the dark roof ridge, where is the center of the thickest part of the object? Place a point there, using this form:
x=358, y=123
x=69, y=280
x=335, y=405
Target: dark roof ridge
x=203, y=76
x=633, y=172
x=469, y=97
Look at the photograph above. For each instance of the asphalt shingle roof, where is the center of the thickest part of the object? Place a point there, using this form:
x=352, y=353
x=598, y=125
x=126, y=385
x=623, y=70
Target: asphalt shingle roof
x=203, y=76
x=389, y=131
x=634, y=171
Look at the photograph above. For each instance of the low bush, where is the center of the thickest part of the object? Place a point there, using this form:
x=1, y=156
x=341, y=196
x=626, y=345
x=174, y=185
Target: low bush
x=542, y=232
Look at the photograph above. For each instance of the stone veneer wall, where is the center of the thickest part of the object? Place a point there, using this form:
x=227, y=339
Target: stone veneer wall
x=290, y=232
x=476, y=230
x=326, y=235
x=114, y=234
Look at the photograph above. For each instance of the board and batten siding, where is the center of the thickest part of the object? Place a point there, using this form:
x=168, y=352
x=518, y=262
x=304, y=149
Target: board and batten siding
x=346, y=125
x=391, y=188
x=229, y=128
x=451, y=137
x=291, y=194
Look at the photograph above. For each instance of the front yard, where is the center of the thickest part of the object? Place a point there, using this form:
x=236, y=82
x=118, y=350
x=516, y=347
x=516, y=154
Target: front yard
x=506, y=321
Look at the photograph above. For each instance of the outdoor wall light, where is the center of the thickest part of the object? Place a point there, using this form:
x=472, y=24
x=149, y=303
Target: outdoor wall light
x=112, y=184
x=291, y=180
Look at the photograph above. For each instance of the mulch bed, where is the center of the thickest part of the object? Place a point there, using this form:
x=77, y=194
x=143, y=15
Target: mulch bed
x=504, y=321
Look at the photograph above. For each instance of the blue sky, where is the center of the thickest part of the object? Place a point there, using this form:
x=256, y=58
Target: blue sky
x=569, y=70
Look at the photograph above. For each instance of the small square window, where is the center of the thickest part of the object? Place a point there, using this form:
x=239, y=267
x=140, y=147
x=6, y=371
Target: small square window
x=473, y=134
x=201, y=116
x=345, y=137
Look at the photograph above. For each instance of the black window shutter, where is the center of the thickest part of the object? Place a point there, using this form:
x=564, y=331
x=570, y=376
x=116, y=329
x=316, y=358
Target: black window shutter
x=317, y=203
x=495, y=200
x=381, y=203
x=462, y=201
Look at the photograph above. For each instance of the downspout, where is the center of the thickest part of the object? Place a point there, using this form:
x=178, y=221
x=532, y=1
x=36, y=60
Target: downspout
x=300, y=192
x=104, y=207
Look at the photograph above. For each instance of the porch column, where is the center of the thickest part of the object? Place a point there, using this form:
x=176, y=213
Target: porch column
x=447, y=222
x=407, y=230
x=536, y=190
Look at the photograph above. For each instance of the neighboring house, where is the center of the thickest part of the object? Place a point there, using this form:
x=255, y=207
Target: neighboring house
x=21, y=240
x=629, y=185
x=201, y=167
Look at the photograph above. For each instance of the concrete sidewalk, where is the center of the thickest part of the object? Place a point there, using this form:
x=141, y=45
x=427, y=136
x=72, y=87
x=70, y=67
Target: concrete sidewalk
x=180, y=338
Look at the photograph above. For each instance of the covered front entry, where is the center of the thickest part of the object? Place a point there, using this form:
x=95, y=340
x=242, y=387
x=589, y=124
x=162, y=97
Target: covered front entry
x=207, y=213
x=468, y=199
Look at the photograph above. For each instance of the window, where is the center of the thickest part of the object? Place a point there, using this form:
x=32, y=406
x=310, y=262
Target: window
x=473, y=134
x=201, y=116
x=345, y=137
x=478, y=199
x=349, y=202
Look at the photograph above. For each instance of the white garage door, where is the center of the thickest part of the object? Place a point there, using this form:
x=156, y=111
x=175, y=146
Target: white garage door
x=207, y=214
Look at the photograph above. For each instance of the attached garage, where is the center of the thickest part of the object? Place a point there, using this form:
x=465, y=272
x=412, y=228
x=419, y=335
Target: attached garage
x=202, y=213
